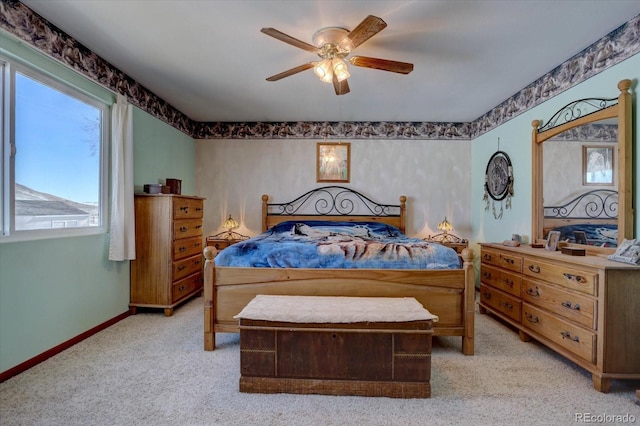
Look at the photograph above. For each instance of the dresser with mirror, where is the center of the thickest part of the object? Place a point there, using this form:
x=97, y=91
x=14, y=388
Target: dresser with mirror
x=584, y=307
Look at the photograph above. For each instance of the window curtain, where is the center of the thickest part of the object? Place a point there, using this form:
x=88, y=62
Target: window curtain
x=122, y=244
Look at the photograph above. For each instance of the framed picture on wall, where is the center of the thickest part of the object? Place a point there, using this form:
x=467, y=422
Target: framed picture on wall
x=333, y=162
x=597, y=165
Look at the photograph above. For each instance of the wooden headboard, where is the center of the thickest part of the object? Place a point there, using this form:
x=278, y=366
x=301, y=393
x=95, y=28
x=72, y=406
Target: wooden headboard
x=335, y=204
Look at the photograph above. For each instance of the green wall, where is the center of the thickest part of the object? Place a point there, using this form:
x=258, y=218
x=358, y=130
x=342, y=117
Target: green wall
x=160, y=152
x=55, y=289
x=515, y=140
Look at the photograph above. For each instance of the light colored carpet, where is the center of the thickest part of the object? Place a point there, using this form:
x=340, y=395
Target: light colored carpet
x=151, y=370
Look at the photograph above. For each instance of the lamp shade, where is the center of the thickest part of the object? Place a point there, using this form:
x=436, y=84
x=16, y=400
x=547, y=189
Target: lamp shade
x=445, y=226
x=230, y=224
x=323, y=70
x=340, y=69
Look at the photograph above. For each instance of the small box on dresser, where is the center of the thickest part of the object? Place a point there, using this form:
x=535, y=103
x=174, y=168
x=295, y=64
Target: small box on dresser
x=168, y=265
x=586, y=308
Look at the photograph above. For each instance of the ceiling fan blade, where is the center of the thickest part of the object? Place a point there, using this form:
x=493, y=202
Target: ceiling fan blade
x=292, y=71
x=290, y=40
x=382, y=64
x=370, y=26
x=341, y=87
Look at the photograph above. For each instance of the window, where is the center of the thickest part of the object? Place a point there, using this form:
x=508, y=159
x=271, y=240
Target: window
x=54, y=156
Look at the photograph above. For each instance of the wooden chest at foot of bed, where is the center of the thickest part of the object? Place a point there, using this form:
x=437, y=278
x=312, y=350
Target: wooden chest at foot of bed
x=391, y=359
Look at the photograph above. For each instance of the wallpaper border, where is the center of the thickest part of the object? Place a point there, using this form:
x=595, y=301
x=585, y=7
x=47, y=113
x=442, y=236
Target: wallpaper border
x=17, y=19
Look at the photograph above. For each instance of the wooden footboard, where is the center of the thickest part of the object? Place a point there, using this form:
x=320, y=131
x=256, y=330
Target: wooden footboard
x=448, y=293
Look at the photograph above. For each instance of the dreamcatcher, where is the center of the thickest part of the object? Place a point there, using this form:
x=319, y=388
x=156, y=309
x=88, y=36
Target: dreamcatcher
x=498, y=182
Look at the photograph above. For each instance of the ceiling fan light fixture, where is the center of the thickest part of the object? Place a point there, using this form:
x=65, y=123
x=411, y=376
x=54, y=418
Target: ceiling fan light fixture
x=340, y=69
x=324, y=70
x=329, y=35
x=333, y=45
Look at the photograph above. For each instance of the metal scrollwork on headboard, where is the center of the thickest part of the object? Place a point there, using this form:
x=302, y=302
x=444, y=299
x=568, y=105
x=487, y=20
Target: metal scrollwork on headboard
x=333, y=201
x=577, y=109
x=596, y=204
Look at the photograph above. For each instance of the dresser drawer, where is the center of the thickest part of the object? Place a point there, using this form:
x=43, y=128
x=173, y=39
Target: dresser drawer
x=187, y=208
x=505, y=281
x=503, y=260
x=574, y=279
x=573, y=338
x=184, y=287
x=502, y=302
x=187, y=247
x=187, y=228
x=187, y=266
x=575, y=307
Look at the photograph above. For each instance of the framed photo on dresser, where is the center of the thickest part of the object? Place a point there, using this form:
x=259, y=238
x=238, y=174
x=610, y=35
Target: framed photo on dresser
x=552, y=240
x=627, y=252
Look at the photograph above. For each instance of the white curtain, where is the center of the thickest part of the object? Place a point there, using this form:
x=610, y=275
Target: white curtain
x=122, y=244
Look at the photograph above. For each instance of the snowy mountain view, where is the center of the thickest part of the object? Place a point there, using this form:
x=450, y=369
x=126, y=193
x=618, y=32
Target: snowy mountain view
x=39, y=210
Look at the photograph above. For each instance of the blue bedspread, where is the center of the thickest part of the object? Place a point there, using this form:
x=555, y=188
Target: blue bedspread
x=602, y=235
x=322, y=244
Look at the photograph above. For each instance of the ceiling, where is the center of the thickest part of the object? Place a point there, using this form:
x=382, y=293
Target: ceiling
x=209, y=59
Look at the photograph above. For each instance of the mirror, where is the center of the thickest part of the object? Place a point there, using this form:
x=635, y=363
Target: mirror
x=582, y=172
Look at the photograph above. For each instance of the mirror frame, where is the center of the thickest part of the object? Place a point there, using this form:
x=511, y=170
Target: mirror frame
x=620, y=110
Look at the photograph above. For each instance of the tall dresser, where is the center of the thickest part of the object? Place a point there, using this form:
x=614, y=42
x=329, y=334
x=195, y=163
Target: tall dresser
x=586, y=308
x=168, y=265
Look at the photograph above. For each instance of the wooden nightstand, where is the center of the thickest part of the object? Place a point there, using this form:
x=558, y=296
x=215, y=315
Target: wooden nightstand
x=458, y=244
x=221, y=243
x=458, y=247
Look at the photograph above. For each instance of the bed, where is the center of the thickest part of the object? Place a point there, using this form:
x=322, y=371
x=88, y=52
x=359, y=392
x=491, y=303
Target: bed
x=593, y=213
x=447, y=293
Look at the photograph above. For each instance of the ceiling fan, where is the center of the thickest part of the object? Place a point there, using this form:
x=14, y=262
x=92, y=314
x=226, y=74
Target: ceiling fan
x=332, y=45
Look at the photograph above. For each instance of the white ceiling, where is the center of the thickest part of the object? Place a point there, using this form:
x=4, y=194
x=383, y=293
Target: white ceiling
x=209, y=59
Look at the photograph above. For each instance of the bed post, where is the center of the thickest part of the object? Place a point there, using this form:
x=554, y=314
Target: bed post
x=469, y=302
x=403, y=211
x=265, y=198
x=209, y=312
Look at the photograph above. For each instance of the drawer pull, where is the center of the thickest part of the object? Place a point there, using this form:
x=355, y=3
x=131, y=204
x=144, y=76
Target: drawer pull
x=533, y=292
x=569, y=305
x=198, y=209
x=508, y=282
x=487, y=257
x=197, y=244
x=181, y=268
x=487, y=275
x=184, y=208
x=531, y=318
x=507, y=305
x=509, y=261
x=182, y=249
x=534, y=268
x=183, y=229
x=567, y=335
x=197, y=262
x=198, y=226
x=486, y=295
x=182, y=288
x=577, y=278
